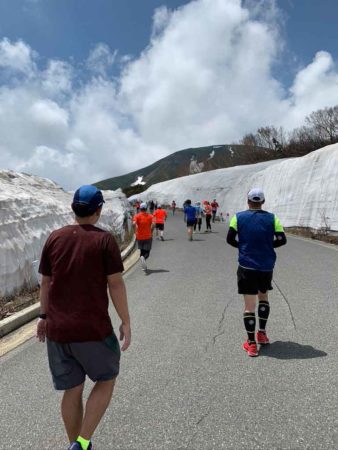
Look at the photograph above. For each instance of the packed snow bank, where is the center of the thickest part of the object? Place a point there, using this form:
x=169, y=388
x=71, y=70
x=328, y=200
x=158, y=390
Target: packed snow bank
x=301, y=191
x=32, y=207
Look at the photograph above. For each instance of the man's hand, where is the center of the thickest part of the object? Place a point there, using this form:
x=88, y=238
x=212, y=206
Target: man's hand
x=41, y=330
x=125, y=334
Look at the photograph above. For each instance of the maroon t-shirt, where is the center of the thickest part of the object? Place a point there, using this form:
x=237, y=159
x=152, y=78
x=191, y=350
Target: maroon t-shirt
x=78, y=258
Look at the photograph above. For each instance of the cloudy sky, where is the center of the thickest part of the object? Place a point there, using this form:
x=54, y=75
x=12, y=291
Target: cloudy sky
x=97, y=88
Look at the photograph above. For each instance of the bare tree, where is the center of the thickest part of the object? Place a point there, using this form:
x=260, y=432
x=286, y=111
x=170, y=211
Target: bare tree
x=268, y=137
x=271, y=137
x=320, y=129
x=325, y=124
x=249, y=140
x=325, y=227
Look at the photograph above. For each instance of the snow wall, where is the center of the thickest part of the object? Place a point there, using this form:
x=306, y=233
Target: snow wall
x=30, y=209
x=301, y=191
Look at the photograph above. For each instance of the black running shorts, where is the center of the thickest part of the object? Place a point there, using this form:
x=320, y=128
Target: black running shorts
x=191, y=223
x=251, y=281
x=145, y=244
x=70, y=363
x=159, y=226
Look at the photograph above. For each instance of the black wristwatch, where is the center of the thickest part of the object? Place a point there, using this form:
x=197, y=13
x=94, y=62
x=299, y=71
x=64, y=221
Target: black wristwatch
x=43, y=316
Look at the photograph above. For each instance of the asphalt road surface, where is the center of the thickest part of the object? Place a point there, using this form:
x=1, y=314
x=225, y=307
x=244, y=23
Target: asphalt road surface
x=186, y=383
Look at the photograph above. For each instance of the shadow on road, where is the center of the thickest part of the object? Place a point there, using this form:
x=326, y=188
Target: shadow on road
x=198, y=240
x=150, y=271
x=290, y=350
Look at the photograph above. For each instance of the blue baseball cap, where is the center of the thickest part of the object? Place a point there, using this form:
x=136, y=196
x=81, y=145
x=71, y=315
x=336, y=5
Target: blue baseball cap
x=90, y=196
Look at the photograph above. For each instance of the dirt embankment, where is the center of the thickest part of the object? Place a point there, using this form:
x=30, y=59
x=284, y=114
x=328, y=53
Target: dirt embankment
x=320, y=235
x=15, y=303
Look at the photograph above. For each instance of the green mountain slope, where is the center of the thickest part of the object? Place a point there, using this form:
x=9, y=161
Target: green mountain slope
x=179, y=164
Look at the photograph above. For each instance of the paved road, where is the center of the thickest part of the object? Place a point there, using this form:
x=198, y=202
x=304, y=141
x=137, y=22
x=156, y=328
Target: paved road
x=185, y=382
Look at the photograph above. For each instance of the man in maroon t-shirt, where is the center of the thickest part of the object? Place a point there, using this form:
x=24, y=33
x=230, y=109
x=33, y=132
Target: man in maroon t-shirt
x=214, y=207
x=78, y=263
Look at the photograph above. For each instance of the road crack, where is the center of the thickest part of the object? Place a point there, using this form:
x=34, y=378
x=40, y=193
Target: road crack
x=198, y=423
x=220, y=329
x=287, y=303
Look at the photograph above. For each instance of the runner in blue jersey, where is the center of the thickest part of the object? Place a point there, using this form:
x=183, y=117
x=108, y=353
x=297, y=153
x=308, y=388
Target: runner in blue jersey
x=199, y=214
x=190, y=214
x=259, y=232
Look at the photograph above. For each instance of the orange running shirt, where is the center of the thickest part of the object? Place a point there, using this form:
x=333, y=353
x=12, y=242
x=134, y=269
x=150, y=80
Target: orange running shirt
x=160, y=215
x=208, y=210
x=143, y=221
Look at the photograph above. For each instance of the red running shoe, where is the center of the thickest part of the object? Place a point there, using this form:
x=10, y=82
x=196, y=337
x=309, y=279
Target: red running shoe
x=262, y=338
x=251, y=349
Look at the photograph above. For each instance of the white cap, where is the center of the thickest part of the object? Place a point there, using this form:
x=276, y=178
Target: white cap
x=256, y=195
x=143, y=206
x=159, y=206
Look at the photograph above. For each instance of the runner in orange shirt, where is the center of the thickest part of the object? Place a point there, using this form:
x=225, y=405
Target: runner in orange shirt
x=143, y=226
x=208, y=215
x=160, y=216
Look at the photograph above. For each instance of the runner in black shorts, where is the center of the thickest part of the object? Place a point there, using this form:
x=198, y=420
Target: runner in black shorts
x=190, y=213
x=250, y=282
x=259, y=232
x=160, y=216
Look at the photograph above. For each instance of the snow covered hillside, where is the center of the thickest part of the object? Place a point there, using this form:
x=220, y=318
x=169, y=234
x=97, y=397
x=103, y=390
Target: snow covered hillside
x=301, y=191
x=30, y=208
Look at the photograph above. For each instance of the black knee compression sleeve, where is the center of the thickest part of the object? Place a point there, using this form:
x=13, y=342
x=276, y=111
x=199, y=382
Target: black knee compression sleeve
x=263, y=313
x=250, y=325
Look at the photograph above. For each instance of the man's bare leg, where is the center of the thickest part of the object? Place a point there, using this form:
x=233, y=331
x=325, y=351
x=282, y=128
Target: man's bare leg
x=263, y=296
x=250, y=302
x=96, y=406
x=190, y=230
x=72, y=411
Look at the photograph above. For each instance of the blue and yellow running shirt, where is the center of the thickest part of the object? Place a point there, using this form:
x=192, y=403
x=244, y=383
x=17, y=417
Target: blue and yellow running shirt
x=256, y=231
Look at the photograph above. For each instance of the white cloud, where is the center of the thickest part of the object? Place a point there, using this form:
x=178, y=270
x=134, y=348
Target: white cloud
x=160, y=20
x=206, y=77
x=16, y=56
x=57, y=78
x=314, y=87
x=46, y=113
x=101, y=59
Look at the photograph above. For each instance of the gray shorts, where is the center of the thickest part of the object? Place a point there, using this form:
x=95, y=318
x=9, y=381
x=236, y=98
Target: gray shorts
x=70, y=363
x=145, y=244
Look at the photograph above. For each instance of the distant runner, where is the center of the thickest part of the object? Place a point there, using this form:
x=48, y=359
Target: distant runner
x=259, y=232
x=190, y=214
x=199, y=213
x=160, y=216
x=184, y=214
x=78, y=263
x=173, y=207
x=143, y=225
x=214, y=207
x=208, y=215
